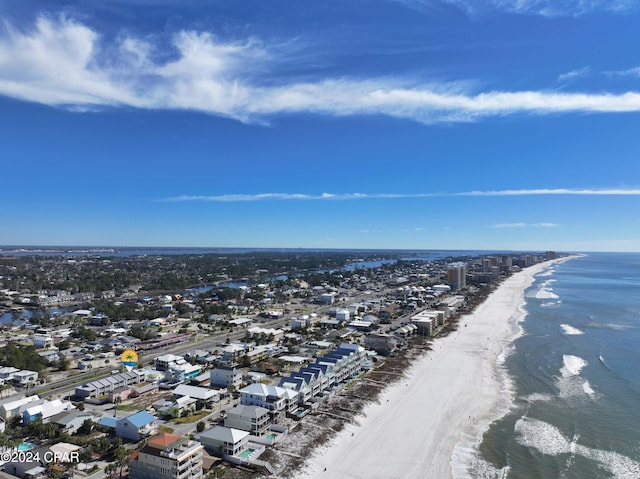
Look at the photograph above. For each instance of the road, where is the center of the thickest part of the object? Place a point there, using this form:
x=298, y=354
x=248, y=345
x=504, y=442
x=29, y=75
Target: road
x=66, y=386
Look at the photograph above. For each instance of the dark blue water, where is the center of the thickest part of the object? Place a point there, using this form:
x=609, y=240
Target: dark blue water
x=125, y=251
x=576, y=377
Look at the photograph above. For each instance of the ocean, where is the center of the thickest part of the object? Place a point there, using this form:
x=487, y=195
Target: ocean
x=575, y=377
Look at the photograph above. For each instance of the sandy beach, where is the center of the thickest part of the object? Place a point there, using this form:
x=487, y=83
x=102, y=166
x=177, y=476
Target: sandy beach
x=449, y=398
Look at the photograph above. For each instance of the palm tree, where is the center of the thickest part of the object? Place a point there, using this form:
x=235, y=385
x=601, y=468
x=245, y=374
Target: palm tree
x=121, y=456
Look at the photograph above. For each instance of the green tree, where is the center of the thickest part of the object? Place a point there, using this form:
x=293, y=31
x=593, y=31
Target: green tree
x=86, y=428
x=121, y=457
x=86, y=454
x=62, y=364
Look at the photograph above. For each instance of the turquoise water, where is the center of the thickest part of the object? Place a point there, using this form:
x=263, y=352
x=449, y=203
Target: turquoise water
x=575, y=376
x=246, y=453
x=25, y=446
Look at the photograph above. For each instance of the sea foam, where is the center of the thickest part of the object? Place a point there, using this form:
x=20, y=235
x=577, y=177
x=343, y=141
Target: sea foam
x=571, y=384
x=572, y=365
x=545, y=291
x=548, y=439
x=570, y=330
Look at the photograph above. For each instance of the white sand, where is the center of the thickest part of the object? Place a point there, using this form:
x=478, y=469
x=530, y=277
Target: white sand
x=450, y=397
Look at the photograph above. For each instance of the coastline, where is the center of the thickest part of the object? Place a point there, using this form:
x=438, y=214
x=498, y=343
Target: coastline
x=429, y=423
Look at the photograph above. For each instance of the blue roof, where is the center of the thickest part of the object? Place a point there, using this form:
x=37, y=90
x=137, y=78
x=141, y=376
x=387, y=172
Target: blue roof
x=141, y=418
x=108, y=422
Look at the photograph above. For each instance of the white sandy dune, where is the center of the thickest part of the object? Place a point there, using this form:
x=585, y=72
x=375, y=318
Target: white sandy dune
x=450, y=397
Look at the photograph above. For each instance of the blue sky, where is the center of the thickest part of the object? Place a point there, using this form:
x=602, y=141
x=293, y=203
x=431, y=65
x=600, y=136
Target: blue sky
x=452, y=124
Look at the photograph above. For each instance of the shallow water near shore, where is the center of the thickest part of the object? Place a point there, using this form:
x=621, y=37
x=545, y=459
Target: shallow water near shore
x=575, y=379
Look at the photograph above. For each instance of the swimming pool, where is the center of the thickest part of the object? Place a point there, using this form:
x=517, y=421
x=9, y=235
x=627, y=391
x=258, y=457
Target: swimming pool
x=246, y=453
x=25, y=446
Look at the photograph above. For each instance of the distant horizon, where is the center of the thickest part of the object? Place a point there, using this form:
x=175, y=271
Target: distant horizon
x=341, y=124
x=10, y=247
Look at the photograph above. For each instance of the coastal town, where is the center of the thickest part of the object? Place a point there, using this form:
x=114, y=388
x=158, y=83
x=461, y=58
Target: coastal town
x=236, y=368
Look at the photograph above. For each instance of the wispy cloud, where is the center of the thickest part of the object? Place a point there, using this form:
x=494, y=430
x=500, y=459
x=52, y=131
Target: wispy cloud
x=630, y=72
x=573, y=74
x=374, y=196
x=525, y=225
x=556, y=191
x=295, y=196
x=548, y=8
x=62, y=62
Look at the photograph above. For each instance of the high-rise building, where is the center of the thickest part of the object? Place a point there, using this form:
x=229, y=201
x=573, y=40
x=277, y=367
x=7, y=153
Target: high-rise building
x=167, y=456
x=457, y=275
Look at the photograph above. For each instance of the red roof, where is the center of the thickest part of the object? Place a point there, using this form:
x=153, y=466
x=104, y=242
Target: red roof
x=163, y=440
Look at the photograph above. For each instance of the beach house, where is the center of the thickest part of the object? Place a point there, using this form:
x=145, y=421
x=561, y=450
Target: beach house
x=167, y=456
x=224, y=441
x=136, y=426
x=278, y=401
x=10, y=407
x=43, y=410
x=226, y=376
x=253, y=419
x=204, y=397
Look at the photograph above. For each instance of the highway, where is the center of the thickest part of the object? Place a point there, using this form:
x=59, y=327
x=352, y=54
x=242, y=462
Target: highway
x=66, y=387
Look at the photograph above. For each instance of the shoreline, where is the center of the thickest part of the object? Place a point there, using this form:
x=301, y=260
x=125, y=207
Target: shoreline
x=430, y=423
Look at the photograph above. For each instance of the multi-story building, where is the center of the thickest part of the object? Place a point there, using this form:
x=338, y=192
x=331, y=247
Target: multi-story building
x=337, y=366
x=224, y=441
x=108, y=384
x=167, y=362
x=167, y=456
x=226, y=376
x=457, y=275
x=137, y=426
x=254, y=419
x=278, y=401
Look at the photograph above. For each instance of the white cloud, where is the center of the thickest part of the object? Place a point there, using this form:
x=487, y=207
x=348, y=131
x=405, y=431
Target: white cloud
x=571, y=75
x=374, y=196
x=631, y=72
x=55, y=65
x=525, y=225
x=548, y=8
x=556, y=191
x=62, y=62
x=510, y=225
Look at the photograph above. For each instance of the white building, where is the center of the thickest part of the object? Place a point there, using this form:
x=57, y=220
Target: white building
x=137, y=426
x=204, y=397
x=10, y=407
x=24, y=378
x=42, y=341
x=167, y=362
x=6, y=373
x=108, y=384
x=278, y=401
x=254, y=419
x=328, y=298
x=44, y=410
x=167, y=456
x=226, y=376
x=224, y=441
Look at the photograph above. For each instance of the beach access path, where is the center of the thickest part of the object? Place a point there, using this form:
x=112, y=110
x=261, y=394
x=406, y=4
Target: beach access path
x=449, y=398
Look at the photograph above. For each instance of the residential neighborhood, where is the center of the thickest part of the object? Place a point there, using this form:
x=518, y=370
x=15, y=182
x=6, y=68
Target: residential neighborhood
x=224, y=372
